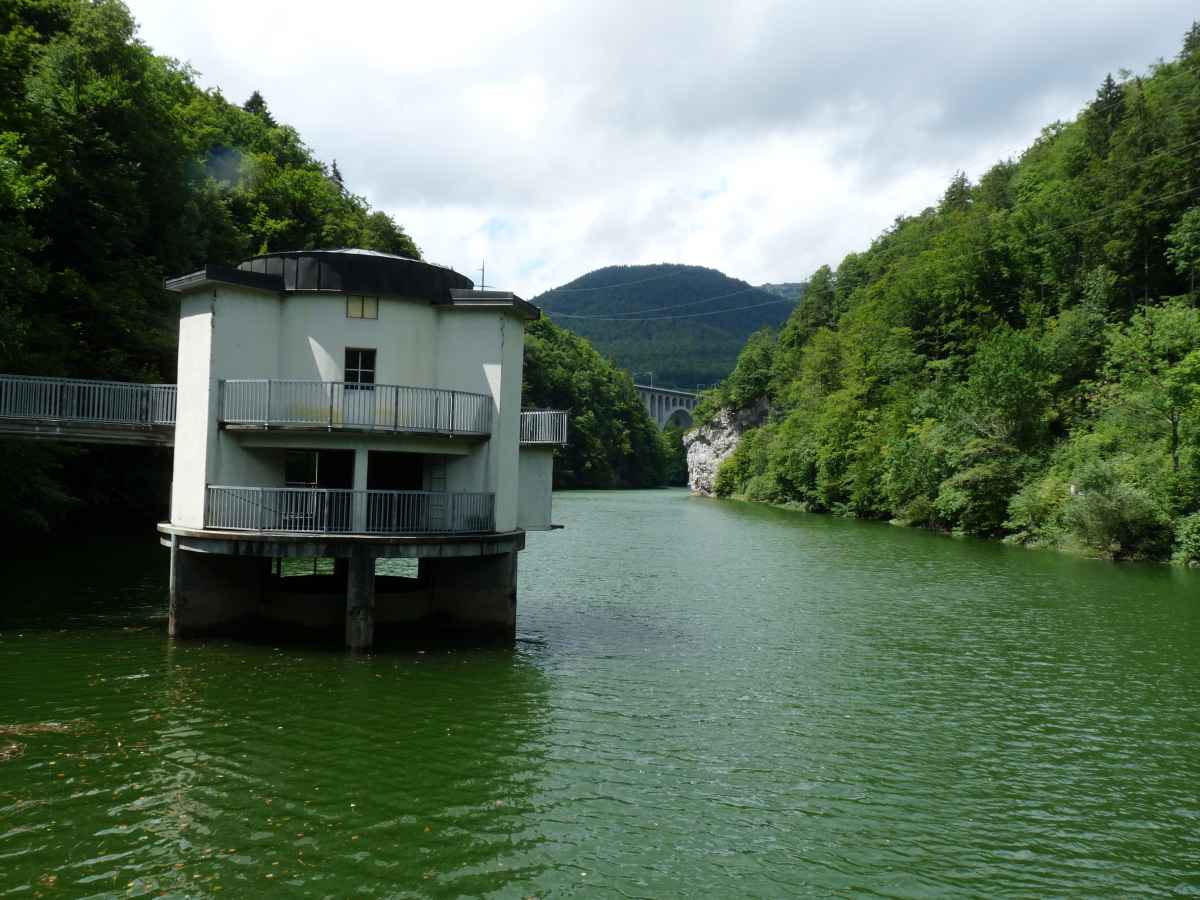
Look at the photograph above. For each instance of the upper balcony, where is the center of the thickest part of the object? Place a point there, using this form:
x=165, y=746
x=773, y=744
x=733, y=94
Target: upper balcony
x=345, y=406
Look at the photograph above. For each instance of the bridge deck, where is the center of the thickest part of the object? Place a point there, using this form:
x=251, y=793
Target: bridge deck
x=72, y=431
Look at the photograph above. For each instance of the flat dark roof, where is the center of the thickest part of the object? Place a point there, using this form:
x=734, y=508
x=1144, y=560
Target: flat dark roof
x=352, y=271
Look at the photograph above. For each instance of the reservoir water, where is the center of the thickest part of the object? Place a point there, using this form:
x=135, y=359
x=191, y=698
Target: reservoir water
x=706, y=699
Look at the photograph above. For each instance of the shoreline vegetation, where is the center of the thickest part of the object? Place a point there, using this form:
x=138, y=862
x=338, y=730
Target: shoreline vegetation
x=1069, y=549
x=1021, y=361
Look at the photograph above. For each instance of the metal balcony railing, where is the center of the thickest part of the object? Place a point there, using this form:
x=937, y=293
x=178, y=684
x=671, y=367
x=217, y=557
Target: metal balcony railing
x=543, y=426
x=340, y=404
x=77, y=400
x=326, y=511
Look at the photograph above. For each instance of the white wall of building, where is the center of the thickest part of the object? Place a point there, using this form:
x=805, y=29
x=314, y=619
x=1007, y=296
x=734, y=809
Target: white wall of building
x=196, y=424
x=537, y=481
x=231, y=332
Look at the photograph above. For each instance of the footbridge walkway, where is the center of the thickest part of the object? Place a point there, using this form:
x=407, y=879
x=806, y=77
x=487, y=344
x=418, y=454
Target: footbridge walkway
x=85, y=411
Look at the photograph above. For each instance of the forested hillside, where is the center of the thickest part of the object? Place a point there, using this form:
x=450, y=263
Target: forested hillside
x=684, y=323
x=1022, y=359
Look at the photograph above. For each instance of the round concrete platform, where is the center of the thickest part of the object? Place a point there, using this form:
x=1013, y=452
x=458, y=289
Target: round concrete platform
x=376, y=546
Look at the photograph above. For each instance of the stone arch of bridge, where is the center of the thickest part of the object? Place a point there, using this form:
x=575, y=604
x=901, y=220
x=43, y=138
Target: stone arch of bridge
x=680, y=417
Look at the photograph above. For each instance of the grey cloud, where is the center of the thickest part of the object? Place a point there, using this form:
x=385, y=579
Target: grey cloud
x=662, y=101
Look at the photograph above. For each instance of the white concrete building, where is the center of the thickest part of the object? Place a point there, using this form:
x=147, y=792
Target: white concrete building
x=354, y=405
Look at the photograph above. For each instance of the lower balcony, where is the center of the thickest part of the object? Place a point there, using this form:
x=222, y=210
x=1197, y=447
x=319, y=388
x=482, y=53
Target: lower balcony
x=329, y=511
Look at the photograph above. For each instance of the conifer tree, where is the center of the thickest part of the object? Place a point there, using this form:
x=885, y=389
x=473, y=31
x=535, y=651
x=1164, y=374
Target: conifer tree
x=257, y=106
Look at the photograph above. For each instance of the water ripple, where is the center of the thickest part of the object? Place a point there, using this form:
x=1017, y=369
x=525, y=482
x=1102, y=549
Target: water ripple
x=706, y=699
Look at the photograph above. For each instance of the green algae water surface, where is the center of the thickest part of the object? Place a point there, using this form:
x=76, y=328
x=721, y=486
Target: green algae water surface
x=706, y=699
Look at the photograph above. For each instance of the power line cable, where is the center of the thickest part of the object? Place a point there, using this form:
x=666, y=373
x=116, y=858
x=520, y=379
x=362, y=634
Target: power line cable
x=1108, y=212
x=630, y=316
x=636, y=315
x=1116, y=207
x=605, y=287
x=639, y=312
x=683, y=316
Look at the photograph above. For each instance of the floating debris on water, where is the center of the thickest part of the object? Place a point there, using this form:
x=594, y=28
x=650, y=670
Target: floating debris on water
x=40, y=728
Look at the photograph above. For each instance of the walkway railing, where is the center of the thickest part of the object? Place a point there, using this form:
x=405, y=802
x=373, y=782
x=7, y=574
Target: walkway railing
x=76, y=400
x=340, y=404
x=543, y=426
x=327, y=511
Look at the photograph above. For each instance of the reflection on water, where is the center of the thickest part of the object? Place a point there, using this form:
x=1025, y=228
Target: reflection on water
x=706, y=699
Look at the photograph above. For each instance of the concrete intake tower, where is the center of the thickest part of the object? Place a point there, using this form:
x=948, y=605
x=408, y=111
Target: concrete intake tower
x=357, y=406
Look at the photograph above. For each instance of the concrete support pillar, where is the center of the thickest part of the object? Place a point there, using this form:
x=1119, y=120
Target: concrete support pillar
x=473, y=596
x=213, y=594
x=360, y=601
x=359, y=512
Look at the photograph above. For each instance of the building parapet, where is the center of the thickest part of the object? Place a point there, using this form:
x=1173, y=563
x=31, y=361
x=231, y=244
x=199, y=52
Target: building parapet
x=329, y=511
x=543, y=426
x=346, y=405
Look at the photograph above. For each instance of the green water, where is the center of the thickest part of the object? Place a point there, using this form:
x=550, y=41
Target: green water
x=706, y=699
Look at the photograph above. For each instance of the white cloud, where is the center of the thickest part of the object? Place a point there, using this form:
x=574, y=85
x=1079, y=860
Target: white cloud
x=760, y=138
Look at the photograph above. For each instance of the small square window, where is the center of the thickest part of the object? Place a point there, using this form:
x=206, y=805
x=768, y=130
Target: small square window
x=358, y=307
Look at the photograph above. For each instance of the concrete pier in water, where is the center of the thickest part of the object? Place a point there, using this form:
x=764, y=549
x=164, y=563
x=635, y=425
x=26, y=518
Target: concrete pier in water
x=232, y=584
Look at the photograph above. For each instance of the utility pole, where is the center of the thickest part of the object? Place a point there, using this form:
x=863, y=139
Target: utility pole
x=483, y=275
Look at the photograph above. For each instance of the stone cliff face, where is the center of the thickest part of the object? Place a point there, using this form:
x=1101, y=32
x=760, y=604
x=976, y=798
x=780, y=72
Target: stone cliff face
x=709, y=445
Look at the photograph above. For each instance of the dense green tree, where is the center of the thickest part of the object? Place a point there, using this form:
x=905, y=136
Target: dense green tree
x=1183, y=246
x=675, y=468
x=1154, y=367
x=1191, y=41
x=257, y=106
x=612, y=440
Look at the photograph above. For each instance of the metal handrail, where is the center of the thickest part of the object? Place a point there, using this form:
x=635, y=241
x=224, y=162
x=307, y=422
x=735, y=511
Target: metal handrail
x=544, y=426
x=335, y=511
x=84, y=400
x=341, y=404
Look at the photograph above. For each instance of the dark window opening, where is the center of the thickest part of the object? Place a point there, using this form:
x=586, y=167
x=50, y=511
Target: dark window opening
x=360, y=367
x=411, y=510
x=300, y=468
x=388, y=471
x=333, y=469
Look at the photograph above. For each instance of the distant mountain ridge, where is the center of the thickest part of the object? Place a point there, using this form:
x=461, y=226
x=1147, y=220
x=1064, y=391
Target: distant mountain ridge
x=685, y=324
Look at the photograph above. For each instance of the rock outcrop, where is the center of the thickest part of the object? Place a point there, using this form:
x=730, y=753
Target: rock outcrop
x=709, y=445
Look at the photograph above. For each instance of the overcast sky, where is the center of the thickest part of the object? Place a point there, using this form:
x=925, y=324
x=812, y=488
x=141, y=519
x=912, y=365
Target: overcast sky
x=759, y=138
